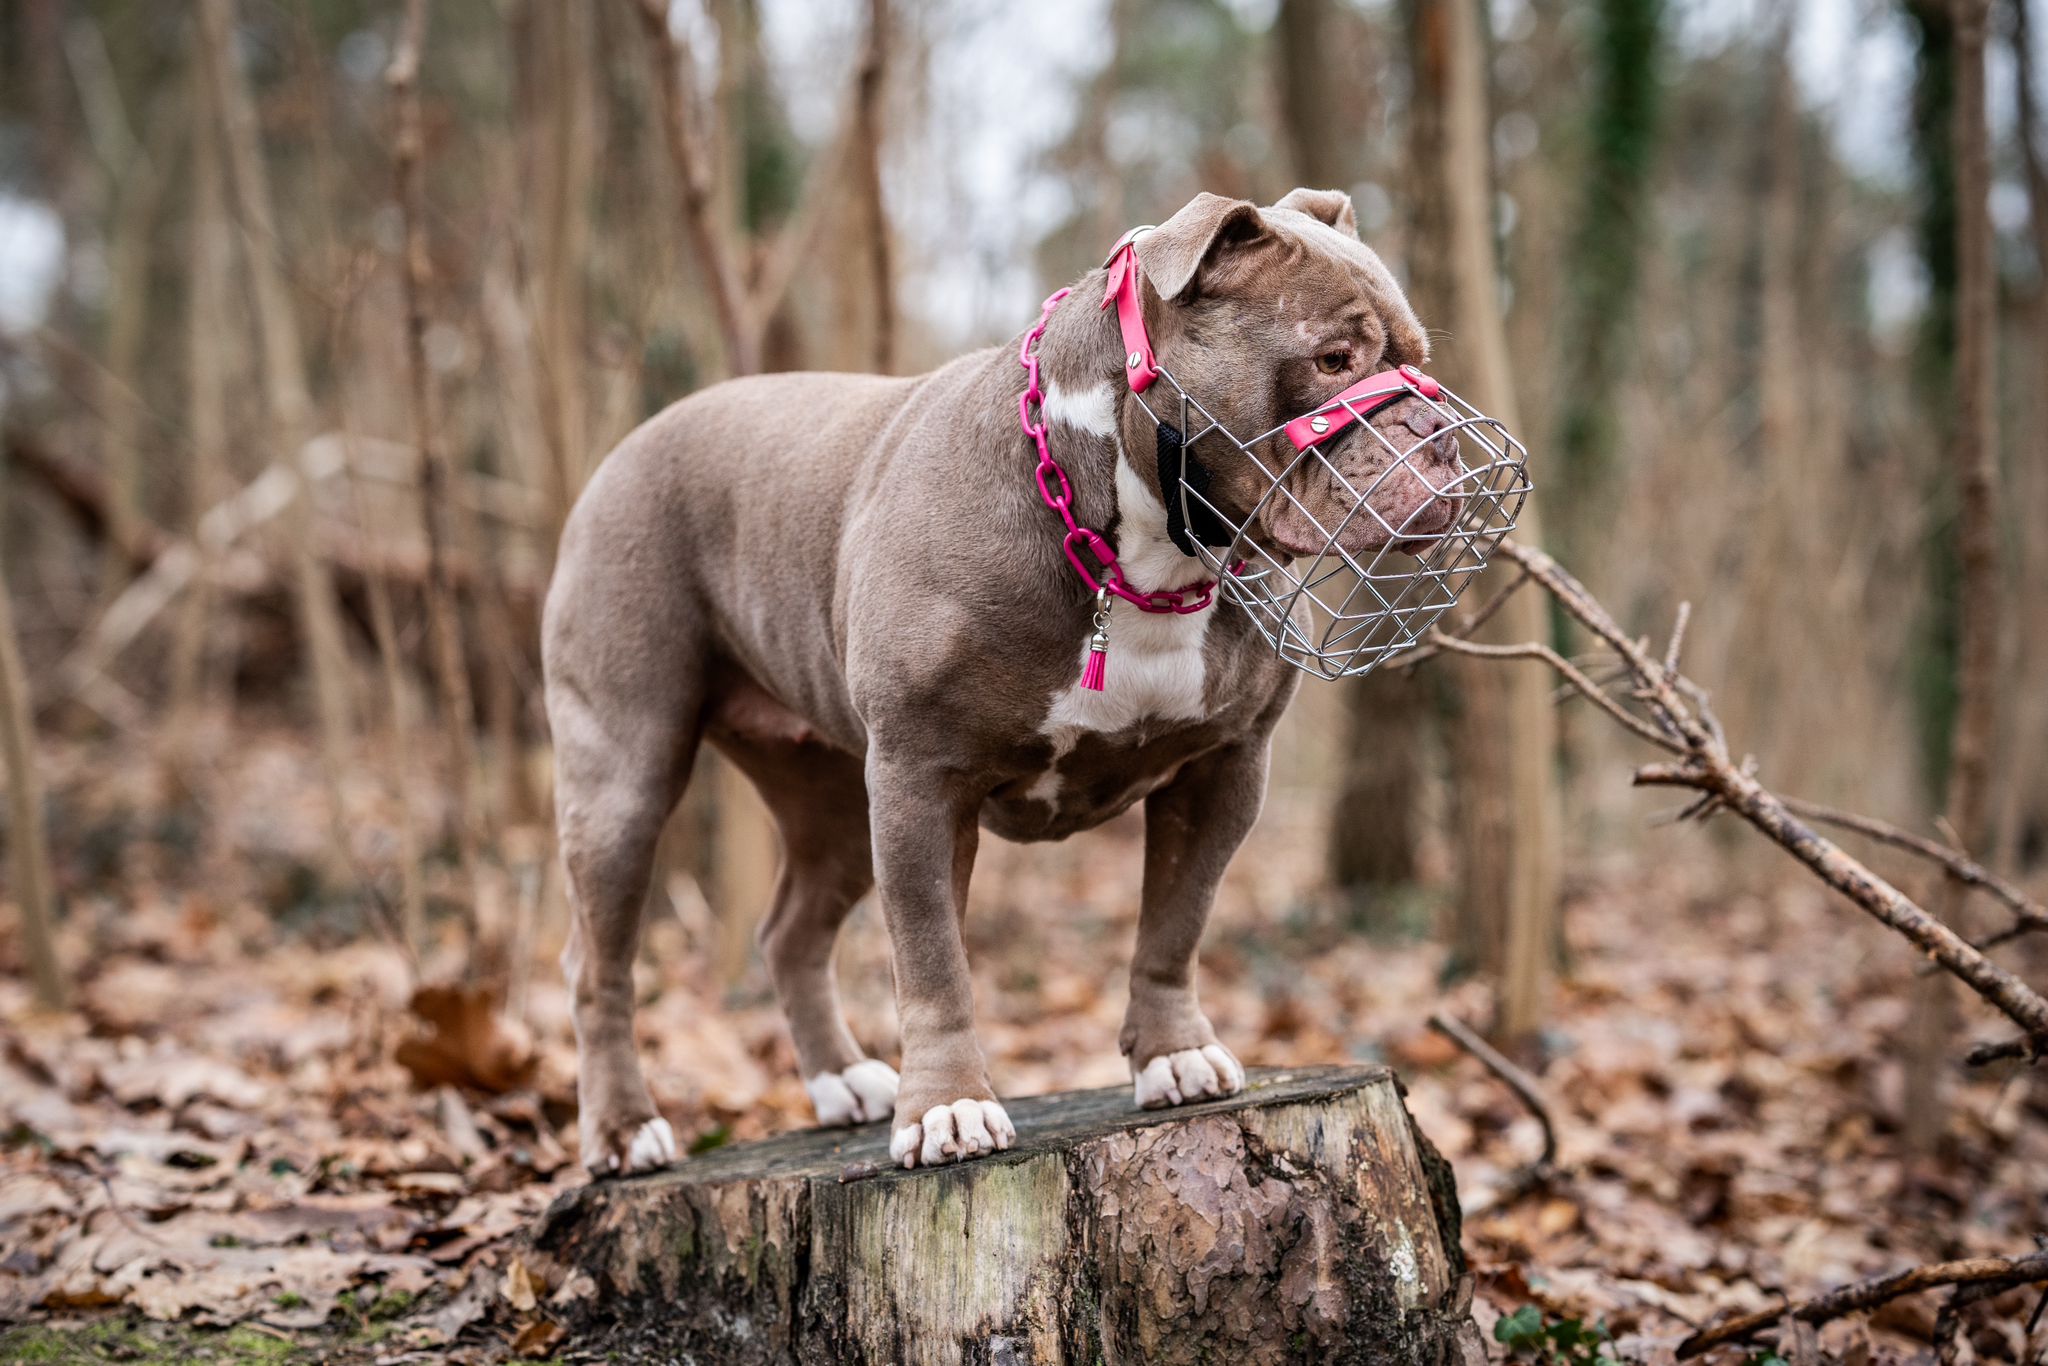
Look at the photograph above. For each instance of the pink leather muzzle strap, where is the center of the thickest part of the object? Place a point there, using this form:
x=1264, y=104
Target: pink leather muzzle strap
x=1364, y=398
x=1141, y=367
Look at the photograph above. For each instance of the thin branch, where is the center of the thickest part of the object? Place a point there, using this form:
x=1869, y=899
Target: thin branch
x=1470, y=625
x=2003, y=1272
x=1570, y=671
x=2025, y=1050
x=2031, y=916
x=1677, y=645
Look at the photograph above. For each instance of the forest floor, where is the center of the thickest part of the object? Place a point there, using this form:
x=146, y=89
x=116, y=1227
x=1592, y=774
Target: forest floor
x=218, y=1155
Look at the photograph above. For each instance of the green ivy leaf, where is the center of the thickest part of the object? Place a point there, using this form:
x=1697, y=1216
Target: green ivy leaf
x=1523, y=1328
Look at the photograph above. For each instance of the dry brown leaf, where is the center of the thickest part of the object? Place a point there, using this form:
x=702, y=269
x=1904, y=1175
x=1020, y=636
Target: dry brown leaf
x=467, y=1043
x=518, y=1287
x=537, y=1338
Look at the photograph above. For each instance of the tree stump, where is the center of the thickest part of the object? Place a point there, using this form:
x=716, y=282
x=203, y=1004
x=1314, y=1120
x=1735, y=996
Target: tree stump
x=1303, y=1220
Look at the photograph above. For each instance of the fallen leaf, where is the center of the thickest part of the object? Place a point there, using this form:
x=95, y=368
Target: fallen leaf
x=518, y=1287
x=467, y=1043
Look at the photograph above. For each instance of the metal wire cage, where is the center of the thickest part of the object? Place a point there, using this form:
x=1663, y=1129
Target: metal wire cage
x=1341, y=613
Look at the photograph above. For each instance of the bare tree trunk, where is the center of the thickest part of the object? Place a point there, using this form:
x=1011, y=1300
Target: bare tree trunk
x=286, y=395
x=2022, y=806
x=1376, y=821
x=866, y=132
x=711, y=247
x=412, y=897
x=563, y=44
x=1975, y=452
x=1605, y=251
x=209, y=261
x=1974, y=456
x=25, y=834
x=444, y=624
x=1316, y=139
x=1504, y=745
x=137, y=194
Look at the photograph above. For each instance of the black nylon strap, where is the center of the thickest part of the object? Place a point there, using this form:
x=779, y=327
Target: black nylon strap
x=1202, y=524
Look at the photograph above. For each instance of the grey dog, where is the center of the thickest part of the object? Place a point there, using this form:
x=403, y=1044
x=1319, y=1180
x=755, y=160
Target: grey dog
x=850, y=585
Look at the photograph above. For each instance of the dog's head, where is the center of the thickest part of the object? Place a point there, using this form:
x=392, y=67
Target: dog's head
x=1262, y=314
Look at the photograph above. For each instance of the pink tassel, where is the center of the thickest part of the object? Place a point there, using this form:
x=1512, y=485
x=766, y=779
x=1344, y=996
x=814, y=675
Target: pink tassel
x=1098, y=659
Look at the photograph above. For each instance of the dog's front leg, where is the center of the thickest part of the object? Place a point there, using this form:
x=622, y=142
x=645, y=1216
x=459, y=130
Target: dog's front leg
x=1193, y=826
x=925, y=831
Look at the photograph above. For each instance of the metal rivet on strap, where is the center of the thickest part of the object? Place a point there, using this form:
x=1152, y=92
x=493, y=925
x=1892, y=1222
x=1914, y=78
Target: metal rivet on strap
x=1133, y=361
x=1319, y=425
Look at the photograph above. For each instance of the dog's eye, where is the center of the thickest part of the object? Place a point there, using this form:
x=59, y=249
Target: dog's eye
x=1334, y=362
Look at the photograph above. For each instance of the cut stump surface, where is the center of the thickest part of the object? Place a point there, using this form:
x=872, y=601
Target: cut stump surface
x=1303, y=1220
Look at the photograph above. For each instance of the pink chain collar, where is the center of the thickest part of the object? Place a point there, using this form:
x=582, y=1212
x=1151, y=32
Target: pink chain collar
x=1109, y=578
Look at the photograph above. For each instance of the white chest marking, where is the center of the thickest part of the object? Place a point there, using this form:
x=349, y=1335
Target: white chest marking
x=1156, y=666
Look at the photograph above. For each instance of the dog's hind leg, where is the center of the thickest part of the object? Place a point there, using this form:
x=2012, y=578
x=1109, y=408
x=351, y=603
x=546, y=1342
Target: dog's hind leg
x=622, y=754
x=820, y=803
x=1192, y=827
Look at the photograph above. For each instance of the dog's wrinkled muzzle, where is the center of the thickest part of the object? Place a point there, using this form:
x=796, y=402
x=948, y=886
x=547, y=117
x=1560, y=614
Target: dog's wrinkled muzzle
x=1376, y=510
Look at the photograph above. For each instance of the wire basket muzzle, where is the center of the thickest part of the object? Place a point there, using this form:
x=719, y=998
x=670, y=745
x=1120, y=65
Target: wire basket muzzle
x=1386, y=527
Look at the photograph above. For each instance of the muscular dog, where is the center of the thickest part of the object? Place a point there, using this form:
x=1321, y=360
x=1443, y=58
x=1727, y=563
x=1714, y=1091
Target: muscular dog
x=851, y=587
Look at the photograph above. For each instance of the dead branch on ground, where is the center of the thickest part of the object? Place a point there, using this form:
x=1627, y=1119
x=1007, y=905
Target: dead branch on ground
x=1992, y=1273
x=1527, y=1089
x=1664, y=708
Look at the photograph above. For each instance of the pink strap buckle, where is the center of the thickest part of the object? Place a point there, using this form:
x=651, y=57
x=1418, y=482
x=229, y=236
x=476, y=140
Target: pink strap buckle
x=1141, y=367
x=1362, y=399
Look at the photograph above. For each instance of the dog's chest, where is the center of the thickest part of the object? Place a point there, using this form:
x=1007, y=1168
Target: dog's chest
x=1155, y=672
x=1108, y=749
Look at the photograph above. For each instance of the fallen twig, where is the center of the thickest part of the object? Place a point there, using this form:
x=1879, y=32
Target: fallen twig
x=1526, y=1088
x=1992, y=1272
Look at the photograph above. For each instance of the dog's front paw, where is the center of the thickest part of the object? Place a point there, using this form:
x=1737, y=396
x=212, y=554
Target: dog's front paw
x=1204, y=1073
x=646, y=1147
x=854, y=1095
x=953, y=1133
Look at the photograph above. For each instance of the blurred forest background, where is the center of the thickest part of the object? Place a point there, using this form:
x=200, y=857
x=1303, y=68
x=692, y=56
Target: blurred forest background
x=312, y=324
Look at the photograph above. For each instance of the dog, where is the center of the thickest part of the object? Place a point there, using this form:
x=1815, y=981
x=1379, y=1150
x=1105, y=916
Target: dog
x=851, y=586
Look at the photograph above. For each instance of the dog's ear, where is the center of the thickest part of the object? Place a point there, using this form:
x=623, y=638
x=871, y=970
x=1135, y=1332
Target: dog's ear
x=1325, y=206
x=1195, y=245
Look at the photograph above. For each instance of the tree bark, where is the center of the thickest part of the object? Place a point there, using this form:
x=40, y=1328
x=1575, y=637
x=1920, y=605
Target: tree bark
x=287, y=397
x=865, y=132
x=1376, y=824
x=1980, y=600
x=1316, y=137
x=1305, y=1220
x=28, y=843
x=210, y=263
x=1504, y=743
x=444, y=625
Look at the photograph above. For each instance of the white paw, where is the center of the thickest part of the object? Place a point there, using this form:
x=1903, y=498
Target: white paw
x=953, y=1133
x=1192, y=1074
x=864, y=1091
x=653, y=1146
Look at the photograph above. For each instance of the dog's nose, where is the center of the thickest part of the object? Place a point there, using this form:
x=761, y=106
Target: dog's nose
x=1423, y=420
